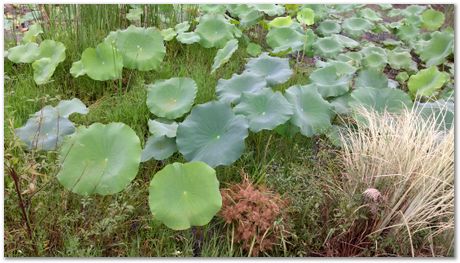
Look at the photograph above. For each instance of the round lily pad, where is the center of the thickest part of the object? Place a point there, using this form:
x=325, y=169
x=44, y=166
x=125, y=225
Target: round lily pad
x=158, y=148
x=171, y=98
x=185, y=195
x=214, y=30
x=264, y=109
x=329, y=27
x=230, y=90
x=224, y=54
x=103, y=62
x=212, y=133
x=275, y=70
x=312, y=114
x=427, y=81
x=306, y=16
x=285, y=38
x=328, y=47
x=100, y=159
x=432, y=20
x=355, y=26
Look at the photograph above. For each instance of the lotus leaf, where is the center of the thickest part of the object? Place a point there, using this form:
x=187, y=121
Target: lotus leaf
x=341, y=104
x=401, y=59
x=142, y=48
x=158, y=148
x=374, y=57
x=214, y=31
x=182, y=27
x=283, y=21
x=386, y=6
x=306, y=16
x=26, y=53
x=163, y=127
x=77, y=69
x=168, y=34
x=31, y=35
x=264, y=109
x=371, y=78
x=408, y=33
x=329, y=83
x=103, y=62
x=45, y=130
x=254, y=49
x=354, y=58
x=230, y=90
x=355, y=26
x=188, y=38
x=43, y=70
x=329, y=27
x=402, y=77
x=435, y=51
x=427, y=81
x=248, y=16
x=66, y=108
x=413, y=10
x=213, y=8
x=185, y=195
x=346, y=41
x=328, y=47
x=171, y=98
x=284, y=38
x=224, y=54
x=312, y=114
x=311, y=37
x=391, y=100
x=270, y=9
x=274, y=70
x=370, y=15
x=342, y=68
x=212, y=133
x=432, y=19
x=100, y=159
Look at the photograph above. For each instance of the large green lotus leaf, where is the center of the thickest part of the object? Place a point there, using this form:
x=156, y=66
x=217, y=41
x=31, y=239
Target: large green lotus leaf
x=329, y=83
x=171, y=98
x=142, y=48
x=355, y=26
x=435, y=51
x=66, y=108
x=163, y=127
x=275, y=70
x=77, y=69
x=432, y=20
x=212, y=133
x=26, y=53
x=254, y=49
x=427, y=81
x=185, y=195
x=341, y=104
x=31, y=35
x=214, y=30
x=43, y=70
x=182, y=27
x=306, y=16
x=270, y=9
x=284, y=38
x=371, y=78
x=45, y=130
x=401, y=59
x=379, y=100
x=346, y=41
x=370, y=14
x=264, y=109
x=168, y=34
x=329, y=27
x=102, y=62
x=224, y=54
x=188, y=38
x=100, y=159
x=441, y=111
x=282, y=21
x=230, y=90
x=328, y=47
x=312, y=114
x=158, y=148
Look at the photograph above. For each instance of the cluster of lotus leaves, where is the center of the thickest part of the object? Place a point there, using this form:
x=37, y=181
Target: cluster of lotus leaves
x=213, y=134
x=355, y=26
x=171, y=98
x=185, y=195
x=437, y=49
x=230, y=90
x=99, y=159
x=264, y=109
x=142, y=48
x=312, y=114
x=432, y=20
x=46, y=129
x=306, y=16
x=214, y=30
x=275, y=70
x=285, y=38
x=224, y=54
x=328, y=47
x=329, y=27
x=427, y=81
x=329, y=82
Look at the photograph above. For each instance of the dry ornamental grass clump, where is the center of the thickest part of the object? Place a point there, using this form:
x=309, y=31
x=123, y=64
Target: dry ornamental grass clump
x=257, y=214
